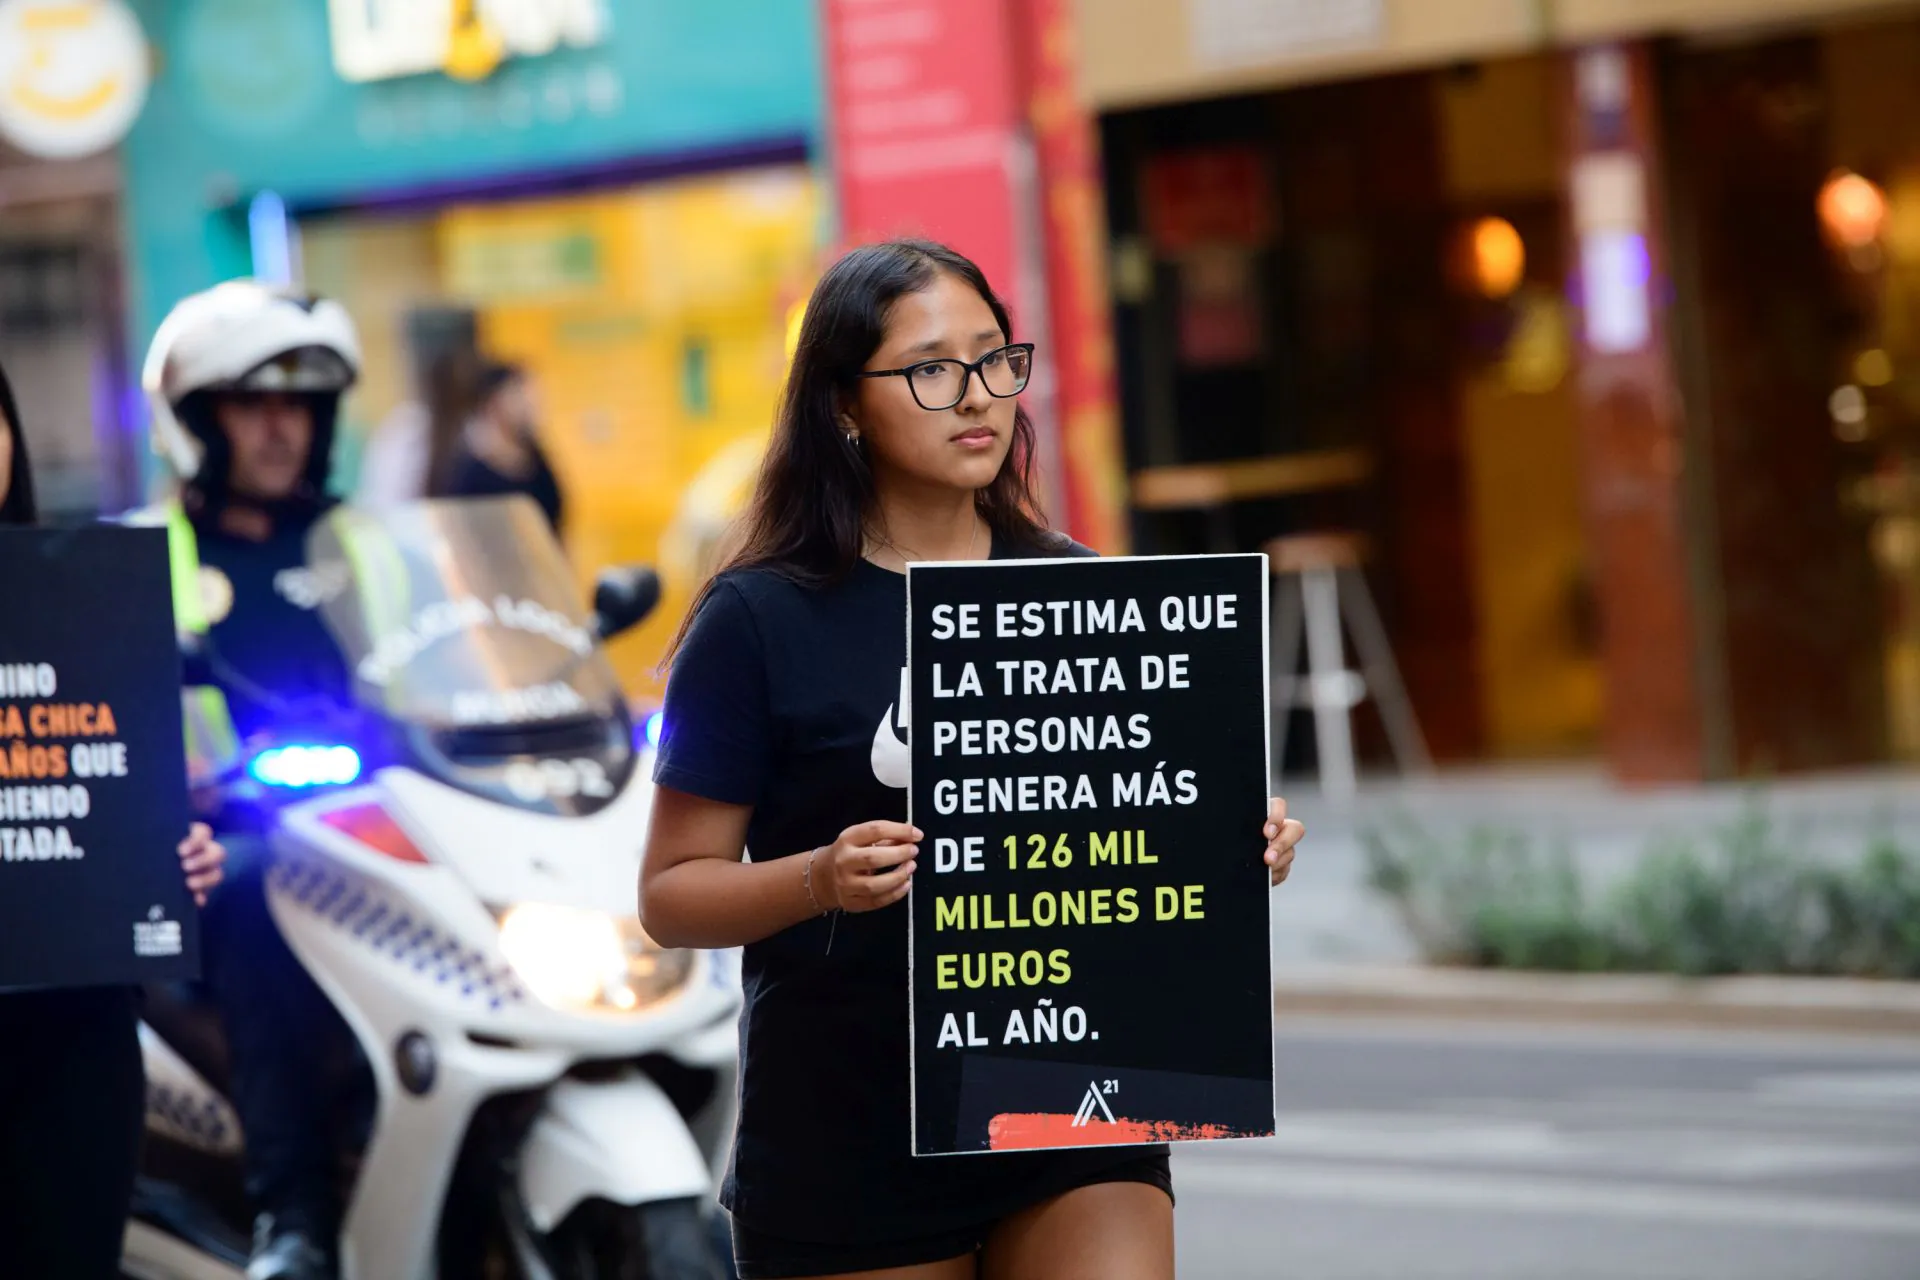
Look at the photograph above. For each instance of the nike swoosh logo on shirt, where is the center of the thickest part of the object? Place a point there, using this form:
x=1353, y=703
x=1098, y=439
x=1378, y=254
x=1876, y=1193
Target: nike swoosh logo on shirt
x=892, y=759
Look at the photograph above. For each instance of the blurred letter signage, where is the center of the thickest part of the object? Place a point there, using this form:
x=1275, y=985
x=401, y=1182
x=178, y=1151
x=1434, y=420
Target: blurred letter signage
x=923, y=115
x=1230, y=32
x=467, y=39
x=1208, y=196
x=960, y=120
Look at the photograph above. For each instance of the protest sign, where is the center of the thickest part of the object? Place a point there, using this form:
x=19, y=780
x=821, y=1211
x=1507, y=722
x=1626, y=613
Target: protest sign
x=93, y=796
x=1090, y=959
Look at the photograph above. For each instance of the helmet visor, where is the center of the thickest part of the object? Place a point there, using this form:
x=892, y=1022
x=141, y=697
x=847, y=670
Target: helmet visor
x=303, y=369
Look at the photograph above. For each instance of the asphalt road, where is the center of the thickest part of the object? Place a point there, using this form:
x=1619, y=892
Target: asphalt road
x=1438, y=1151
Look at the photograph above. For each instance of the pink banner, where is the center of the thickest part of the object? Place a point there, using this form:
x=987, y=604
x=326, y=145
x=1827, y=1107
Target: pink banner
x=921, y=97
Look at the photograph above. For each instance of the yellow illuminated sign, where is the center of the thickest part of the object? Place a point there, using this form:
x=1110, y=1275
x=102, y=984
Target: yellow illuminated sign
x=466, y=39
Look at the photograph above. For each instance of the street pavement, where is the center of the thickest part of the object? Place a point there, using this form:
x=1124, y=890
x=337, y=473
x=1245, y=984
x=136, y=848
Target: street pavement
x=1429, y=1150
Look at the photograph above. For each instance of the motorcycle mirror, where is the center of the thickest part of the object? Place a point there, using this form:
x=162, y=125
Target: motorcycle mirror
x=622, y=599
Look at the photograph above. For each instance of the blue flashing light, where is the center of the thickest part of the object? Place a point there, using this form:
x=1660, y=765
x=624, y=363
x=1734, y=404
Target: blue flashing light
x=305, y=766
x=271, y=236
x=656, y=726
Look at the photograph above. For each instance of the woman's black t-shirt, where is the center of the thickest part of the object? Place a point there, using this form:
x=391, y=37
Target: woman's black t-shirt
x=468, y=476
x=787, y=698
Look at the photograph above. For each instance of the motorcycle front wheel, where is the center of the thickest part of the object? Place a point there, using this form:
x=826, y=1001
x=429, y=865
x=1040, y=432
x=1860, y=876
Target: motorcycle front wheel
x=667, y=1240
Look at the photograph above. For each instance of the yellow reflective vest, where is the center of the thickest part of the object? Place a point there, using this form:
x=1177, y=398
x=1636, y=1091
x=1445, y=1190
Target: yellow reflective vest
x=212, y=741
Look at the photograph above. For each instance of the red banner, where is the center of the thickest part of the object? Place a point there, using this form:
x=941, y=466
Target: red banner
x=921, y=100
x=1093, y=471
x=959, y=120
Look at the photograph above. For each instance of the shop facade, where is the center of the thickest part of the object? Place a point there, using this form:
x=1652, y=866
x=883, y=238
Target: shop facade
x=1556, y=306
x=632, y=200
x=621, y=198
x=62, y=334
x=72, y=79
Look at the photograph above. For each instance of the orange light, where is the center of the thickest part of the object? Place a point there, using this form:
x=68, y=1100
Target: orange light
x=1492, y=257
x=1853, y=210
x=374, y=827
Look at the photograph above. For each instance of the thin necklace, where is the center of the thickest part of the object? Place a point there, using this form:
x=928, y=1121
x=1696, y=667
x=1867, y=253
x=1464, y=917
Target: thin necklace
x=973, y=542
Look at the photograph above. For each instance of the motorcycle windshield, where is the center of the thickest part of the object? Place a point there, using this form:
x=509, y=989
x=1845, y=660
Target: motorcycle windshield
x=460, y=614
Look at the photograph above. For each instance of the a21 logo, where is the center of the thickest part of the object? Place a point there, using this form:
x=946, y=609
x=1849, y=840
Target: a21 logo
x=1096, y=1100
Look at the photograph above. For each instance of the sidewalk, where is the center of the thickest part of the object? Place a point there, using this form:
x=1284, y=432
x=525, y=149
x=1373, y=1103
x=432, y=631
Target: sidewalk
x=1853, y=1005
x=1338, y=948
x=1327, y=915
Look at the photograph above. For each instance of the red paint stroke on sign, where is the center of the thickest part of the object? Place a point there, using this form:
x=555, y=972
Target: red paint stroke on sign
x=1030, y=1132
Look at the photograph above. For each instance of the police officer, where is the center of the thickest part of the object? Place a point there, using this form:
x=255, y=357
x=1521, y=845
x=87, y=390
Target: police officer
x=244, y=383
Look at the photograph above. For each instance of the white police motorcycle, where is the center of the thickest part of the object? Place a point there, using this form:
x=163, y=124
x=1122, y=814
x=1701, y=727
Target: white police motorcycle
x=552, y=1092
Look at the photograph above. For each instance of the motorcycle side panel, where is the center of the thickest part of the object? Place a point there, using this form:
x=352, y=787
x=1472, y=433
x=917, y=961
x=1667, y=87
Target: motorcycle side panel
x=433, y=976
x=618, y=1140
x=183, y=1106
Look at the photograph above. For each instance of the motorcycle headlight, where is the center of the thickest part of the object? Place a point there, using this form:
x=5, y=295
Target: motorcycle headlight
x=581, y=960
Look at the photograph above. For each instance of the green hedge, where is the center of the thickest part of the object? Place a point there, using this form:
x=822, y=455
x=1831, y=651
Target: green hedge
x=1741, y=900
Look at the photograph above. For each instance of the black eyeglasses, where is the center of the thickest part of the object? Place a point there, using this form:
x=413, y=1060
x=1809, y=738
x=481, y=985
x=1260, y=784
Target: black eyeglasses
x=942, y=384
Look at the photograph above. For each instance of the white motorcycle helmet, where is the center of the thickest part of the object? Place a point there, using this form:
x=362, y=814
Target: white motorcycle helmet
x=245, y=336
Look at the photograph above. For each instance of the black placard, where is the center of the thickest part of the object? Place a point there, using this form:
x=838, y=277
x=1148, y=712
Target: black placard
x=1090, y=937
x=93, y=796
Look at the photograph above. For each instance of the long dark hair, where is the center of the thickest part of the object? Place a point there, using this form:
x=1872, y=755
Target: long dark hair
x=17, y=507
x=449, y=402
x=807, y=519
x=464, y=382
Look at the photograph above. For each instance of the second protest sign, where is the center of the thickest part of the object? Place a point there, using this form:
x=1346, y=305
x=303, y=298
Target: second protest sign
x=1090, y=916
x=93, y=770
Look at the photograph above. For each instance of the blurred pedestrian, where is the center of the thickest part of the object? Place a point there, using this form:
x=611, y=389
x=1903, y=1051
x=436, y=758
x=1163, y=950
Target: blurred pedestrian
x=72, y=1088
x=899, y=440
x=497, y=450
x=417, y=441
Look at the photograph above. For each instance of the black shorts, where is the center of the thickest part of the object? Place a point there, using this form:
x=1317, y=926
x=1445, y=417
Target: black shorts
x=759, y=1256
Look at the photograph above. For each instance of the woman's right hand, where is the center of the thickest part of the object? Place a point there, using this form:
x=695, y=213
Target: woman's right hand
x=869, y=867
x=204, y=860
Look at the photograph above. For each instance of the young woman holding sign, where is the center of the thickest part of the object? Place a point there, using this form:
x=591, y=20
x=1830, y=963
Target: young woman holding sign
x=900, y=440
x=72, y=1096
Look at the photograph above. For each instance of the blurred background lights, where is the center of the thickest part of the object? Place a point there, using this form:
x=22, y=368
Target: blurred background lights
x=1495, y=257
x=1853, y=210
x=1848, y=406
x=1873, y=368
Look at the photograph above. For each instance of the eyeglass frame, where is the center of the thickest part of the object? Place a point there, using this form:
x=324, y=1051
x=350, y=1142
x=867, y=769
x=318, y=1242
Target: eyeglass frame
x=968, y=372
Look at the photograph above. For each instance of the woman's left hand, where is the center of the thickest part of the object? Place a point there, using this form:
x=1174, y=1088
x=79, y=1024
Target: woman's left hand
x=204, y=859
x=1282, y=833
